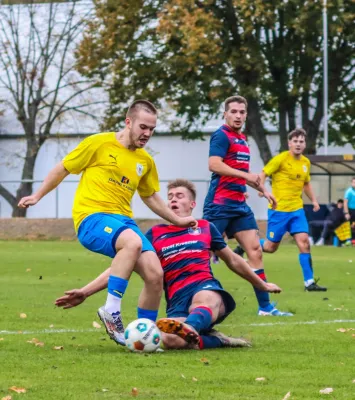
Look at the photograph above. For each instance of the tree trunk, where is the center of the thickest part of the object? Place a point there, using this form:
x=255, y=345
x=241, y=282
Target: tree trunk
x=25, y=188
x=256, y=129
x=282, y=125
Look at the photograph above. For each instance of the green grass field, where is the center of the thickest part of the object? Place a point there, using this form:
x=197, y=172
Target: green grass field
x=302, y=354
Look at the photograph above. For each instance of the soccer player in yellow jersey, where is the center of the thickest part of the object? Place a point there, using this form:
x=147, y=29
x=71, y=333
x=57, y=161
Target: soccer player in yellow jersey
x=290, y=173
x=114, y=166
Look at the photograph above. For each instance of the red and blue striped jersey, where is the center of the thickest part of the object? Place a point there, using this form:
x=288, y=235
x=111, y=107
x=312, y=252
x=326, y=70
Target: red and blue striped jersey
x=227, y=193
x=184, y=254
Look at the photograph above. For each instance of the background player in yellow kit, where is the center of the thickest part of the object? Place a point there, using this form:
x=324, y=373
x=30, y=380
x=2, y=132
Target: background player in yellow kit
x=114, y=166
x=290, y=173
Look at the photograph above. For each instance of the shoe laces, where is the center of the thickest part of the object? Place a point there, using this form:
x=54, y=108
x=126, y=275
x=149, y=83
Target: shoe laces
x=118, y=321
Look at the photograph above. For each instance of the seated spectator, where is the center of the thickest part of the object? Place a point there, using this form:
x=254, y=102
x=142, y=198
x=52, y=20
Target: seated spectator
x=335, y=218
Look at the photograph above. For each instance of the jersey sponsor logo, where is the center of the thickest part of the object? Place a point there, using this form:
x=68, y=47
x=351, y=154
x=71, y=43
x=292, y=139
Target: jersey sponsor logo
x=124, y=183
x=139, y=169
x=108, y=229
x=192, y=231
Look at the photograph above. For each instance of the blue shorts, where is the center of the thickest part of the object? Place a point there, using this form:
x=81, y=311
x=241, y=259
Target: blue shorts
x=98, y=232
x=242, y=220
x=280, y=222
x=181, y=302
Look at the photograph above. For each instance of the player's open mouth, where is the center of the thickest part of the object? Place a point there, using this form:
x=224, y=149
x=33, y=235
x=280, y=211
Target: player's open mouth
x=174, y=207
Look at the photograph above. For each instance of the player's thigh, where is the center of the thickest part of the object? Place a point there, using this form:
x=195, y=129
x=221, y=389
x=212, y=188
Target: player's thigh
x=277, y=225
x=100, y=233
x=208, y=298
x=148, y=267
x=249, y=240
x=146, y=245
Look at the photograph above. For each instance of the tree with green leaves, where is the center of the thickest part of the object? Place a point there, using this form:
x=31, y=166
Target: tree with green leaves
x=38, y=78
x=191, y=55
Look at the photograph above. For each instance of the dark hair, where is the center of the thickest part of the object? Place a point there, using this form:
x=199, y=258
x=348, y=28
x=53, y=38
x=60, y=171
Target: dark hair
x=296, y=133
x=183, y=183
x=353, y=178
x=340, y=201
x=141, y=105
x=235, y=99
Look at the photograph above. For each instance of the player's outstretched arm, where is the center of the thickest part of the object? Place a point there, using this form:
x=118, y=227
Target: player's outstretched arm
x=52, y=180
x=75, y=297
x=239, y=266
x=159, y=207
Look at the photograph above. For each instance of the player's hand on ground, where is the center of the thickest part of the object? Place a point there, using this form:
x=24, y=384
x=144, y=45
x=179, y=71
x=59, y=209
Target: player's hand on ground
x=254, y=179
x=271, y=199
x=27, y=201
x=315, y=206
x=71, y=299
x=272, y=288
x=187, y=222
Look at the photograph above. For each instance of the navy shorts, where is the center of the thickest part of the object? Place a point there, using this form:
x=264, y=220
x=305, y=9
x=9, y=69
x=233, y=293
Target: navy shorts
x=179, y=306
x=280, y=222
x=242, y=220
x=99, y=232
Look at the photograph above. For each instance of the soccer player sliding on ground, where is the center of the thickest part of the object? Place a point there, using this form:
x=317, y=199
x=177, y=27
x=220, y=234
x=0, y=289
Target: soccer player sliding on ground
x=196, y=301
x=114, y=166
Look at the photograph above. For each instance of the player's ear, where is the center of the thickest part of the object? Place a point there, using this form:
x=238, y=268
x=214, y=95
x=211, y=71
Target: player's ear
x=128, y=122
x=193, y=204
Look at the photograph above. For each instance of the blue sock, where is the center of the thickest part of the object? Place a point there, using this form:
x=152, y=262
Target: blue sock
x=262, y=297
x=149, y=314
x=262, y=241
x=209, y=342
x=117, y=286
x=305, y=260
x=200, y=318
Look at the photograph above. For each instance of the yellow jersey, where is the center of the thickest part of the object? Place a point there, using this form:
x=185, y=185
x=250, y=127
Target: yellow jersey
x=111, y=174
x=288, y=178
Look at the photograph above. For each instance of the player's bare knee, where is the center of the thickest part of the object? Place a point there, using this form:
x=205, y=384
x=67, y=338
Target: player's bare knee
x=272, y=247
x=304, y=246
x=154, y=276
x=256, y=252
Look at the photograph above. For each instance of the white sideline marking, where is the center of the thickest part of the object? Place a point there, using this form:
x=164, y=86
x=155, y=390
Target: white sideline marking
x=335, y=321
x=48, y=331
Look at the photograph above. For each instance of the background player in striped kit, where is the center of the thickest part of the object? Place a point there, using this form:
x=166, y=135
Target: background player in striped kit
x=225, y=205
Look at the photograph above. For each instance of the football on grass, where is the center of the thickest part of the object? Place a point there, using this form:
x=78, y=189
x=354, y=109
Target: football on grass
x=142, y=335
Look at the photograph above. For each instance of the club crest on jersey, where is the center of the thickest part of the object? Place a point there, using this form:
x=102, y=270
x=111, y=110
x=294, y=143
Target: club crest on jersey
x=305, y=168
x=139, y=169
x=194, y=232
